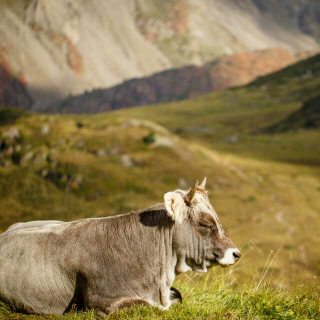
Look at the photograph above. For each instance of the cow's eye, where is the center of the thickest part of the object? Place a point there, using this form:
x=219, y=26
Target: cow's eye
x=205, y=225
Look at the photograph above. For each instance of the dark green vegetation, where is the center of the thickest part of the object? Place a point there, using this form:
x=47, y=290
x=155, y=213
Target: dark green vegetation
x=265, y=188
x=9, y=115
x=307, y=117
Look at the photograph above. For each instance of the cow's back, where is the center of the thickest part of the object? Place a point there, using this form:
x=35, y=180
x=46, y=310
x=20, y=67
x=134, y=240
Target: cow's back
x=31, y=272
x=34, y=224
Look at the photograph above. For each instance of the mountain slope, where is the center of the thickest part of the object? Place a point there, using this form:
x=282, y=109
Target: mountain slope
x=70, y=46
x=226, y=120
x=66, y=47
x=307, y=117
x=179, y=84
x=196, y=31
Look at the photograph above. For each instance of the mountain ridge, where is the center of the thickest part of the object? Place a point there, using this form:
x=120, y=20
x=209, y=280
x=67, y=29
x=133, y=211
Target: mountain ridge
x=66, y=47
x=181, y=83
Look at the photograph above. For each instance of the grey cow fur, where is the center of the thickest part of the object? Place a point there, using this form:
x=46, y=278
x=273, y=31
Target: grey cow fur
x=47, y=267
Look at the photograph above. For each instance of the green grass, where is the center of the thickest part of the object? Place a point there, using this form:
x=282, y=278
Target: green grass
x=213, y=297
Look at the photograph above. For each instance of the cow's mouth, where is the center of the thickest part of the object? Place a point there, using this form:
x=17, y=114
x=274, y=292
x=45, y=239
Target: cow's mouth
x=200, y=267
x=214, y=262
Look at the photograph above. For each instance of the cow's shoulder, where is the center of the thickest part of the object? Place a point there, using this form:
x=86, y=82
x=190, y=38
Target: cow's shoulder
x=154, y=216
x=159, y=207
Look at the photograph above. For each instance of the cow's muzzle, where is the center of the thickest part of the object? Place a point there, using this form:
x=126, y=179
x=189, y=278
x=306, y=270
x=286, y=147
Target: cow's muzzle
x=231, y=256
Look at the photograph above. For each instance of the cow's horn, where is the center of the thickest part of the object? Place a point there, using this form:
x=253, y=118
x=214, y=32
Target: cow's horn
x=192, y=192
x=203, y=183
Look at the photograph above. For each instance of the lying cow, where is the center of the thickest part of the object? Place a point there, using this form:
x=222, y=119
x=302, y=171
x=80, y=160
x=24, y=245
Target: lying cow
x=48, y=267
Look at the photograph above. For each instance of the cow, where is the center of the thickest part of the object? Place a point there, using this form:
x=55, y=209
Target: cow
x=51, y=267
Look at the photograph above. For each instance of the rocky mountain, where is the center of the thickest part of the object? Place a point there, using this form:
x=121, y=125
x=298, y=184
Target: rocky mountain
x=307, y=117
x=69, y=46
x=193, y=31
x=181, y=83
x=13, y=90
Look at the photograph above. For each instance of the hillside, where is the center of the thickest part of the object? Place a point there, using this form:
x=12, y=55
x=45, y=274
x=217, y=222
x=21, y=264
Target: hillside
x=307, y=117
x=67, y=47
x=226, y=120
x=63, y=167
x=181, y=83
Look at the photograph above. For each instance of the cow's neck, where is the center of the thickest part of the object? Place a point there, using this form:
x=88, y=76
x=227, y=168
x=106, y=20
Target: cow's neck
x=155, y=230
x=146, y=237
x=155, y=224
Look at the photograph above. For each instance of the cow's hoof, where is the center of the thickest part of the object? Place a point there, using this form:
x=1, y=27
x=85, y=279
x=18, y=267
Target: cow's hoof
x=175, y=295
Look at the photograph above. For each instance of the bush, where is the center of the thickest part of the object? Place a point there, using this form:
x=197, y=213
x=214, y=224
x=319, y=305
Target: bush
x=150, y=138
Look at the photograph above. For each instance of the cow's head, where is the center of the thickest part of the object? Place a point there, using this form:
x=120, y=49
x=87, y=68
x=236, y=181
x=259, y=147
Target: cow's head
x=199, y=241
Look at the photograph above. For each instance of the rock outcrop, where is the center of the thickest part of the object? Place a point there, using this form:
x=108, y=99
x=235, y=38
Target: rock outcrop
x=13, y=90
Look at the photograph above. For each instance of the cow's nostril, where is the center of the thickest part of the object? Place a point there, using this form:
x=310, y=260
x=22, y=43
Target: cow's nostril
x=237, y=255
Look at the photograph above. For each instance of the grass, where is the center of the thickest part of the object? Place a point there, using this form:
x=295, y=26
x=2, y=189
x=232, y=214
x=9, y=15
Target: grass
x=213, y=296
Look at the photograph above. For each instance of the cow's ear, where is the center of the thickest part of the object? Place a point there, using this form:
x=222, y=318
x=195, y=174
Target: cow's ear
x=175, y=206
